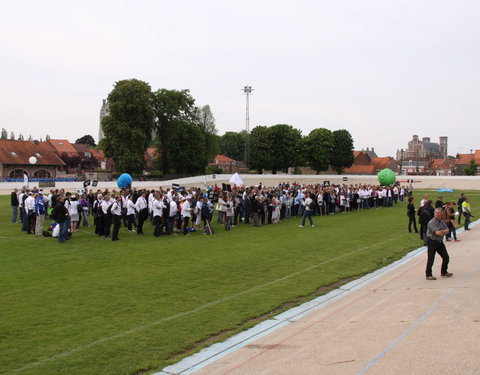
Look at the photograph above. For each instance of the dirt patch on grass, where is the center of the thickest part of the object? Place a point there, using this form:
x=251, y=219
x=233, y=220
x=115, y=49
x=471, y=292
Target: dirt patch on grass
x=223, y=335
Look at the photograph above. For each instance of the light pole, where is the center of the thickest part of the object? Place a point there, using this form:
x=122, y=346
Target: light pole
x=247, y=90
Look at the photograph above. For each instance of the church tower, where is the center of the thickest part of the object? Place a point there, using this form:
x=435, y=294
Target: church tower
x=443, y=147
x=104, y=111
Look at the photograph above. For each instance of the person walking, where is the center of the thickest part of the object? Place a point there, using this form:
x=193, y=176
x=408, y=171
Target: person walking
x=411, y=215
x=436, y=229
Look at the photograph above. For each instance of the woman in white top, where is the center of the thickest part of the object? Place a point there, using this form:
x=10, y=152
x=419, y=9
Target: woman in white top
x=73, y=212
x=222, y=209
x=158, y=207
x=130, y=213
x=186, y=214
x=116, y=211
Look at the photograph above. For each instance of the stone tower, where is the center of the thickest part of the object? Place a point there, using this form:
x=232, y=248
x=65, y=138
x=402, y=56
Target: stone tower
x=443, y=147
x=104, y=111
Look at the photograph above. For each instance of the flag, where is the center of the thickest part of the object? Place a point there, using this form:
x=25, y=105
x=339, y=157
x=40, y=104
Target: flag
x=235, y=179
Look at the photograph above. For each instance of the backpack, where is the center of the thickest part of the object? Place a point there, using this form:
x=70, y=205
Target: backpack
x=312, y=205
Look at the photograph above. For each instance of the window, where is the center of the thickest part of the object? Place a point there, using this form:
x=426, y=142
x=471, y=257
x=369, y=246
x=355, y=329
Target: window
x=42, y=173
x=14, y=153
x=38, y=155
x=17, y=173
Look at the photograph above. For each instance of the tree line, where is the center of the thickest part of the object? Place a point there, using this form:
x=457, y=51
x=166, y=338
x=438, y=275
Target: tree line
x=185, y=136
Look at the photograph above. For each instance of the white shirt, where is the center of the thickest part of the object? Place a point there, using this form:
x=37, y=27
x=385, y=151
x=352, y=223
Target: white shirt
x=73, y=209
x=141, y=204
x=29, y=203
x=186, y=212
x=105, y=206
x=173, y=208
x=130, y=207
x=158, y=207
x=116, y=208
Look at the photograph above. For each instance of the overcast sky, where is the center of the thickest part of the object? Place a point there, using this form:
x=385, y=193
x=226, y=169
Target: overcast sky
x=384, y=70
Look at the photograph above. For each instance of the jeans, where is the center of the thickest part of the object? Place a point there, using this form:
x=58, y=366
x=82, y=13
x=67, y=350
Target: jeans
x=307, y=213
x=14, y=214
x=85, y=221
x=229, y=223
x=62, y=234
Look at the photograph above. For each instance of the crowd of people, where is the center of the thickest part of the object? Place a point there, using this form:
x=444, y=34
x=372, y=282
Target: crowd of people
x=184, y=211
x=426, y=212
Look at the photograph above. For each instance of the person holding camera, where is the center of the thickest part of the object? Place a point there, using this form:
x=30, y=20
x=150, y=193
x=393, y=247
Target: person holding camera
x=436, y=230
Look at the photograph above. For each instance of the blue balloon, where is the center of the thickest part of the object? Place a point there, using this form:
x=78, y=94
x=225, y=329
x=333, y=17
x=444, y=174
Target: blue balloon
x=124, y=181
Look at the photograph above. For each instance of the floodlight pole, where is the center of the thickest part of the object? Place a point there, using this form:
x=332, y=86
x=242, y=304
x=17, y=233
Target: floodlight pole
x=248, y=91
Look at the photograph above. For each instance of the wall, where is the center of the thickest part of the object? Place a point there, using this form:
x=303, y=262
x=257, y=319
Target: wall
x=420, y=182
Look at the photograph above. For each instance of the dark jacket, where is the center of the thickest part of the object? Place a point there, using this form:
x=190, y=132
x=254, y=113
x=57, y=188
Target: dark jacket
x=425, y=213
x=14, y=199
x=60, y=213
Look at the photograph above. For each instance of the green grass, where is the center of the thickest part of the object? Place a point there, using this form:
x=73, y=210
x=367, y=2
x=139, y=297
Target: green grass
x=93, y=306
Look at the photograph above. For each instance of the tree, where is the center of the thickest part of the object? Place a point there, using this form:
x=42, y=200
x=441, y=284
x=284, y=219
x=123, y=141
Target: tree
x=286, y=149
x=12, y=135
x=4, y=134
x=86, y=140
x=128, y=127
x=30, y=138
x=172, y=109
x=47, y=137
x=471, y=169
x=20, y=137
x=261, y=156
x=206, y=122
x=232, y=144
x=341, y=156
x=71, y=162
x=186, y=153
x=318, y=148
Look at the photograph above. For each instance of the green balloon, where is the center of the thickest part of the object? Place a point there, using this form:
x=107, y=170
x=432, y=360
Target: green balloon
x=386, y=177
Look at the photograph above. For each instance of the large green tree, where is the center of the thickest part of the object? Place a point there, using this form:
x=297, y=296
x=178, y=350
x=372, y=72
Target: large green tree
x=261, y=156
x=4, y=134
x=172, y=109
x=186, y=152
x=286, y=143
x=128, y=127
x=341, y=156
x=206, y=122
x=317, y=149
x=232, y=144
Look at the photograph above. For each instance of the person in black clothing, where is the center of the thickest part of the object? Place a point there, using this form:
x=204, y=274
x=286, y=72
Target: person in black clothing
x=60, y=213
x=14, y=204
x=460, y=208
x=411, y=215
x=439, y=202
x=256, y=207
x=425, y=213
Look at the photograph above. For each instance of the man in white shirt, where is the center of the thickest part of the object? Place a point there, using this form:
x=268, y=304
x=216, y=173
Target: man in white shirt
x=172, y=214
x=141, y=206
x=308, y=204
x=30, y=212
x=157, y=210
x=186, y=214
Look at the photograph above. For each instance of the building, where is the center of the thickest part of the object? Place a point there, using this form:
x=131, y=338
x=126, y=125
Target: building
x=424, y=149
x=364, y=164
x=63, y=146
x=463, y=160
x=15, y=160
x=104, y=111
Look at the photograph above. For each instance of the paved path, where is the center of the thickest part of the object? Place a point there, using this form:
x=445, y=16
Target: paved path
x=397, y=324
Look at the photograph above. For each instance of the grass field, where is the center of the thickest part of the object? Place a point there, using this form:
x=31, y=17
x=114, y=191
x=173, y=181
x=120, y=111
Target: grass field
x=93, y=306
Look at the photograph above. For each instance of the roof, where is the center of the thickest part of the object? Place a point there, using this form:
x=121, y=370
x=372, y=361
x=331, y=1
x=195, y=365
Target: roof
x=361, y=169
x=382, y=163
x=18, y=153
x=80, y=147
x=223, y=159
x=97, y=153
x=62, y=145
x=431, y=147
x=151, y=153
x=443, y=163
x=463, y=159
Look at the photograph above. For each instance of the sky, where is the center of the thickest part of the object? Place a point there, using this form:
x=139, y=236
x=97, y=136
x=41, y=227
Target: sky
x=382, y=69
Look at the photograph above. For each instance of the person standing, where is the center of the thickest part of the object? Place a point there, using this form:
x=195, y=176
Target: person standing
x=107, y=214
x=230, y=212
x=116, y=211
x=14, y=204
x=40, y=214
x=308, y=204
x=425, y=214
x=467, y=213
x=60, y=214
x=186, y=214
x=450, y=221
x=436, y=229
x=460, y=208
x=29, y=205
x=157, y=210
x=130, y=213
x=411, y=215
x=142, y=209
